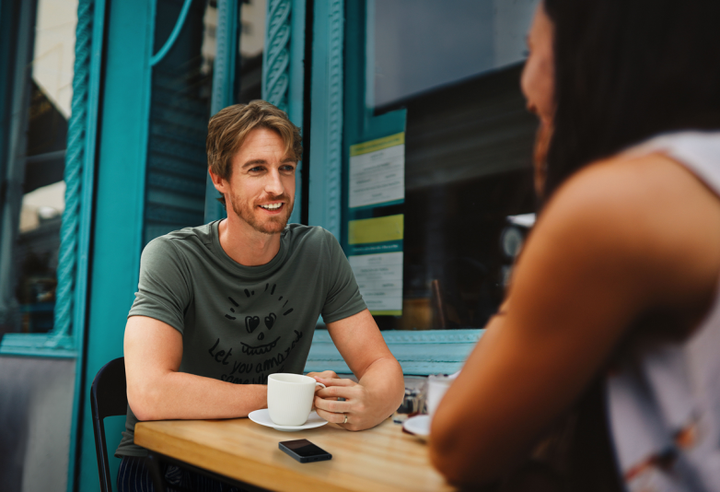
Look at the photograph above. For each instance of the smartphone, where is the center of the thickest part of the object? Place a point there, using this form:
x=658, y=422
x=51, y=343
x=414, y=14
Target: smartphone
x=304, y=451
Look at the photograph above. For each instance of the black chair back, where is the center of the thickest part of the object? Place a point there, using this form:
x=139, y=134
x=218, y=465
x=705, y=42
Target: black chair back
x=108, y=397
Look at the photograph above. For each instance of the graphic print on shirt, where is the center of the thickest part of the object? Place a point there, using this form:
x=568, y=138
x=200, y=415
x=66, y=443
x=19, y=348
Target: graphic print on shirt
x=264, y=327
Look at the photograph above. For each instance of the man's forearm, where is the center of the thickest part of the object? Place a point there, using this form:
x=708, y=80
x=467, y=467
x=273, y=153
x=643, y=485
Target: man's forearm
x=178, y=395
x=157, y=390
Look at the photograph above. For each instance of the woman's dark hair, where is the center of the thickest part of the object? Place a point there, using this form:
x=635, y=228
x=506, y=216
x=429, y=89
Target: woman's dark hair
x=626, y=70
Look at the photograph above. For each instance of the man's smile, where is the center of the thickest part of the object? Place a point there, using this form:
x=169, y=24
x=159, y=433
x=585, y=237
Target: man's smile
x=261, y=349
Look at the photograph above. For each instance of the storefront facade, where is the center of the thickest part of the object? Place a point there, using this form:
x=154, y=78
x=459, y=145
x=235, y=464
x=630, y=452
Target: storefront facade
x=417, y=157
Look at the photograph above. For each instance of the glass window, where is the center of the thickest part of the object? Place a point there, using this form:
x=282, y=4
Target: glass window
x=453, y=68
x=32, y=184
x=180, y=108
x=182, y=91
x=420, y=45
x=252, y=43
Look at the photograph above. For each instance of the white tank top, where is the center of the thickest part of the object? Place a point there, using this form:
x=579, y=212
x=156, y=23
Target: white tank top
x=664, y=399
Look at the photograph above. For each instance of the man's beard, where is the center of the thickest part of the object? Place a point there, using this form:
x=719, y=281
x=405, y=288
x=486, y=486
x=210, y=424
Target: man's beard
x=272, y=225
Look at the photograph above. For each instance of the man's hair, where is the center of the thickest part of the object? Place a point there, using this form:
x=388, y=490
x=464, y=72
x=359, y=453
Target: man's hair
x=626, y=70
x=229, y=128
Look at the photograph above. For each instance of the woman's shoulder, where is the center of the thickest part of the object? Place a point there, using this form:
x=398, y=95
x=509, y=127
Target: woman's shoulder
x=647, y=212
x=631, y=187
x=647, y=193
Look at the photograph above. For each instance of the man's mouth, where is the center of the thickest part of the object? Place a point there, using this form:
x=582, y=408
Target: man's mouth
x=272, y=206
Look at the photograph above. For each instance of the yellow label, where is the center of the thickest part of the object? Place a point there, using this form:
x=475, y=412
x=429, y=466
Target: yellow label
x=387, y=313
x=379, y=144
x=377, y=230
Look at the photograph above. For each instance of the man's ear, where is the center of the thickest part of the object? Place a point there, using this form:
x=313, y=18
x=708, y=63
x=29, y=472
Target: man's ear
x=219, y=182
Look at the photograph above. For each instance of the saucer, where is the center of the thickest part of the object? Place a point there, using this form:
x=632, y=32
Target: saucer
x=418, y=426
x=262, y=417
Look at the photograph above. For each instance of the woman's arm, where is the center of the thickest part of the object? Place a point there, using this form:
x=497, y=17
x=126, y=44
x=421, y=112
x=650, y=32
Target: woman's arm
x=606, y=250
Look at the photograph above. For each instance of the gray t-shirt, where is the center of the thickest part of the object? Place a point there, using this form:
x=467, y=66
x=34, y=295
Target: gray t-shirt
x=238, y=323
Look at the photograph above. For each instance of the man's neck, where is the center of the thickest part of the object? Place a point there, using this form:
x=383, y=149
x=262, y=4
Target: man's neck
x=245, y=245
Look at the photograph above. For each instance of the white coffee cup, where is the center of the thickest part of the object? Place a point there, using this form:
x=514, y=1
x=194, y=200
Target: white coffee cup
x=290, y=397
x=436, y=388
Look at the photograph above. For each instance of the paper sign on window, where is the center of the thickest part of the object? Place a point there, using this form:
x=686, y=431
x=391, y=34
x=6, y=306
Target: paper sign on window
x=377, y=261
x=377, y=171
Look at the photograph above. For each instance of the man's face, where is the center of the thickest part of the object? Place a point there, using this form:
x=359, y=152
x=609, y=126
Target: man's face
x=261, y=188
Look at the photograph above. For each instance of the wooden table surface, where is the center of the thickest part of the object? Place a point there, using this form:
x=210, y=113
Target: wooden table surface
x=379, y=459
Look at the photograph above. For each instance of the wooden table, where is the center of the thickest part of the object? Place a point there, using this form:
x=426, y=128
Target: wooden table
x=379, y=459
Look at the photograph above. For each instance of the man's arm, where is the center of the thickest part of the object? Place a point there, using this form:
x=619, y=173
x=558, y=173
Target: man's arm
x=380, y=387
x=156, y=390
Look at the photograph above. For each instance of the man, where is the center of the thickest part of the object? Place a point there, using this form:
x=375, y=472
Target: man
x=221, y=306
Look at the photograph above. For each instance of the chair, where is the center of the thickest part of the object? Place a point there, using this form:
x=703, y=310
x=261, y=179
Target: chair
x=108, y=397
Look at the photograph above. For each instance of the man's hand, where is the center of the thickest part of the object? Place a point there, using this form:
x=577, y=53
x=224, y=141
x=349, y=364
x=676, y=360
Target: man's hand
x=379, y=390
x=318, y=377
x=360, y=406
x=323, y=375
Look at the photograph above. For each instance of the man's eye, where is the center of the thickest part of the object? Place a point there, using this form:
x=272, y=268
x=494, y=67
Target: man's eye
x=288, y=169
x=256, y=169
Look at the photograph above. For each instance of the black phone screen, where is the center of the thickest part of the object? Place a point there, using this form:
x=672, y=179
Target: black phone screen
x=304, y=449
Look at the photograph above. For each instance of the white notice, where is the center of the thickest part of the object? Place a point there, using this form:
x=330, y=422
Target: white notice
x=379, y=278
x=377, y=177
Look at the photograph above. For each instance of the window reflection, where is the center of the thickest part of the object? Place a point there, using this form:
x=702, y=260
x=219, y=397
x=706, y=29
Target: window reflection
x=40, y=160
x=252, y=43
x=420, y=45
x=455, y=67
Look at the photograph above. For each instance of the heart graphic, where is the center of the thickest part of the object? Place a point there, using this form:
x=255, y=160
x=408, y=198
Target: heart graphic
x=251, y=322
x=270, y=320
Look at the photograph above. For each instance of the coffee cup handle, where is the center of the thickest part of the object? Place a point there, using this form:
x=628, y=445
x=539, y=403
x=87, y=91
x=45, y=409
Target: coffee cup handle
x=319, y=384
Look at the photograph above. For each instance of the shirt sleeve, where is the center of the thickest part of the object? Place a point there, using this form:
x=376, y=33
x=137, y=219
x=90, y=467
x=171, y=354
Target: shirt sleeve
x=343, y=297
x=163, y=289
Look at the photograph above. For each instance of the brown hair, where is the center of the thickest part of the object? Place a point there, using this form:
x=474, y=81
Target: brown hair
x=228, y=129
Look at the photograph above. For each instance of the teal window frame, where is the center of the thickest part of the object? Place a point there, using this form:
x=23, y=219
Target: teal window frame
x=66, y=338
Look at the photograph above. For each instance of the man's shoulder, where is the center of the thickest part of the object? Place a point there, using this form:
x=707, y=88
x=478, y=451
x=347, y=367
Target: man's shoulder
x=189, y=235
x=297, y=234
x=189, y=242
x=313, y=246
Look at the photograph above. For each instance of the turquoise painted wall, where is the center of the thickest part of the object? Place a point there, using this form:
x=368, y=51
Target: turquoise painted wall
x=118, y=207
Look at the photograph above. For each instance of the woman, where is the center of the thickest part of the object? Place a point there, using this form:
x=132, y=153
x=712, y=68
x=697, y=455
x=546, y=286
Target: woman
x=613, y=307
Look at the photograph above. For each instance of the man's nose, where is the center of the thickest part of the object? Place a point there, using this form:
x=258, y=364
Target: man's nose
x=274, y=185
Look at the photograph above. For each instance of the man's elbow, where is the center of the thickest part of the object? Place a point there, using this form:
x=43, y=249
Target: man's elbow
x=396, y=374
x=144, y=401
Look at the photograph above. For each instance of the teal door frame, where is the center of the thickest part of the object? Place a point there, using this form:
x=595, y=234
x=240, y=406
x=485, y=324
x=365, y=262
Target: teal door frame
x=326, y=114
x=118, y=211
